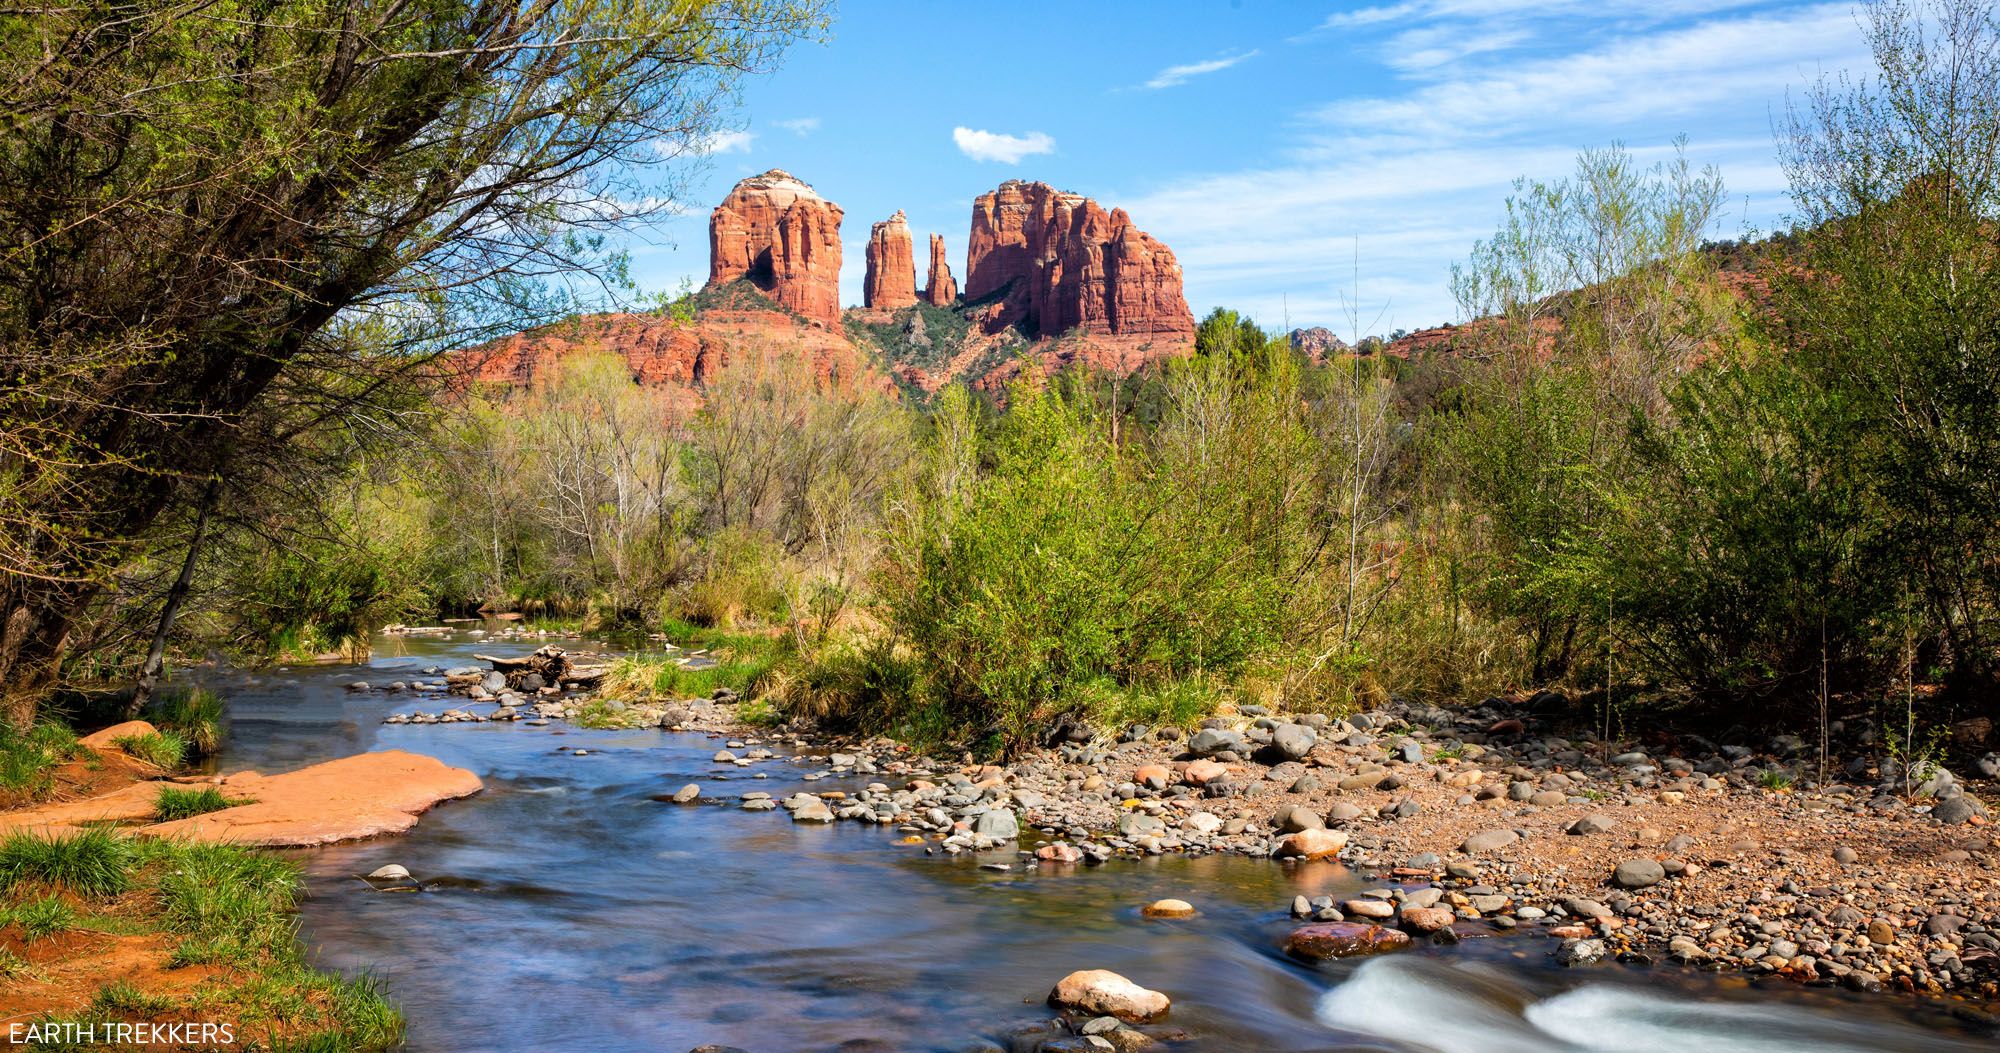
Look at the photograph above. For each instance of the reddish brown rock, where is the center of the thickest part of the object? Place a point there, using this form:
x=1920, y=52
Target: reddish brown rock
x=1311, y=844
x=365, y=795
x=678, y=357
x=778, y=233
x=1427, y=919
x=891, y=281
x=942, y=289
x=1063, y=264
x=108, y=738
x=1204, y=771
x=1342, y=939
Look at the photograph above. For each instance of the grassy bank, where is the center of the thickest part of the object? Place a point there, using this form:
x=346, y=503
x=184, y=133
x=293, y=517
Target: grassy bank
x=208, y=931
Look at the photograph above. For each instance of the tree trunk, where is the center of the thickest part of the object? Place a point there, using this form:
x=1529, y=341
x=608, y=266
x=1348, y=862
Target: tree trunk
x=35, y=617
x=149, y=677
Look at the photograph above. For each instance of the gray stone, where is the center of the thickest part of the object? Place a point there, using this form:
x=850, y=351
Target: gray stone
x=1294, y=740
x=998, y=824
x=1488, y=841
x=1638, y=873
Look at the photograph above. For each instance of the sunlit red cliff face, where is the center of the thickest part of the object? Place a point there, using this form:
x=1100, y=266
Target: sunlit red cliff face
x=1051, y=278
x=1060, y=262
x=778, y=234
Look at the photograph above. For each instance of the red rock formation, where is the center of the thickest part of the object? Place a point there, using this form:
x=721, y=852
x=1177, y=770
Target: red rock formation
x=677, y=357
x=891, y=281
x=942, y=290
x=780, y=235
x=1064, y=264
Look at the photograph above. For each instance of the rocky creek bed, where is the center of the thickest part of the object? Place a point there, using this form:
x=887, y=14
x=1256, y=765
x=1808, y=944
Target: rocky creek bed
x=1452, y=838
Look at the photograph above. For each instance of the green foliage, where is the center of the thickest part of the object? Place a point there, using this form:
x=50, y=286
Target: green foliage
x=1073, y=569
x=28, y=760
x=163, y=749
x=194, y=714
x=41, y=918
x=90, y=862
x=1226, y=335
x=173, y=803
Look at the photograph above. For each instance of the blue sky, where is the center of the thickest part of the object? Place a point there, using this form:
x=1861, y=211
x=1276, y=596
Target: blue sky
x=1269, y=144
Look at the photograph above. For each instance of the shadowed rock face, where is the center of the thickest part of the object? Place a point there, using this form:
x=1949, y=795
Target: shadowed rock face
x=1060, y=262
x=780, y=235
x=942, y=289
x=891, y=281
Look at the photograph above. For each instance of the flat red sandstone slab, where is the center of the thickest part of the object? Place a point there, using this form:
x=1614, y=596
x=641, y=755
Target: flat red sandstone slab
x=366, y=795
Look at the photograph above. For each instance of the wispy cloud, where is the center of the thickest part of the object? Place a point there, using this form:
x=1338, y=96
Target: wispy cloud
x=1411, y=173
x=799, y=125
x=1177, y=75
x=981, y=145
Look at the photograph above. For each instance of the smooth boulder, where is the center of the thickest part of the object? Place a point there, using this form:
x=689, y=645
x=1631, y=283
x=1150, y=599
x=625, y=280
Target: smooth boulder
x=1101, y=992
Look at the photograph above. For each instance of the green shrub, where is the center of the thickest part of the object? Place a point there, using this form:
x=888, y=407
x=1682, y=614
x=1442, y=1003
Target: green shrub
x=173, y=803
x=91, y=862
x=163, y=749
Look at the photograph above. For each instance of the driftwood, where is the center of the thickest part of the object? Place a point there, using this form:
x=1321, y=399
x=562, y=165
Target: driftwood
x=549, y=662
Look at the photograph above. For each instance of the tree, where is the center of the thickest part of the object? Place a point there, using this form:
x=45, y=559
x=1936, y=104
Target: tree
x=202, y=204
x=1896, y=302
x=1228, y=335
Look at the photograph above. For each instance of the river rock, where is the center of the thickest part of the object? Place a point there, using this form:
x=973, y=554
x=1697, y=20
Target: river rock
x=391, y=872
x=1297, y=817
x=1342, y=939
x=1311, y=844
x=998, y=824
x=1202, y=772
x=1638, y=873
x=1168, y=908
x=1488, y=841
x=1426, y=919
x=1294, y=740
x=1059, y=853
x=1101, y=992
x=687, y=794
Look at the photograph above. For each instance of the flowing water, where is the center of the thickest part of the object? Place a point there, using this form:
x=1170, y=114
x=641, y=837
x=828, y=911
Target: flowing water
x=571, y=912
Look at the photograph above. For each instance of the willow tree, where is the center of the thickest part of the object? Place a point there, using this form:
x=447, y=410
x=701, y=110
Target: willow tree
x=206, y=205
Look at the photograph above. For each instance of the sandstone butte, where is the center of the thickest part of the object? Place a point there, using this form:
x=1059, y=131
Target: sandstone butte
x=1079, y=284
x=941, y=290
x=366, y=795
x=1062, y=263
x=891, y=279
x=776, y=232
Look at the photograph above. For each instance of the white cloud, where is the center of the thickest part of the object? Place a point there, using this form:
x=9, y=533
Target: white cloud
x=735, y=142
x=1414, y=174
x=1175, y=75
x=995, y=146
x=1673, y=73
x=800, y=125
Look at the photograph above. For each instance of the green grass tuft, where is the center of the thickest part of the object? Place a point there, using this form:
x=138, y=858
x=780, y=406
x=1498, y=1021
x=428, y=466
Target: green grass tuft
x=164, y=750
x=194, y=714
x=28, y=761
x=174, y=803
x=93, y=862
x=42, y=918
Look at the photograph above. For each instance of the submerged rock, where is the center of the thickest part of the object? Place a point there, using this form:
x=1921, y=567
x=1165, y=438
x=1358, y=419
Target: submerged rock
x=1342, y=939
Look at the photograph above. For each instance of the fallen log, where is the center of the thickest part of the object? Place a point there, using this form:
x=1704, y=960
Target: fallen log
x=549, y=663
